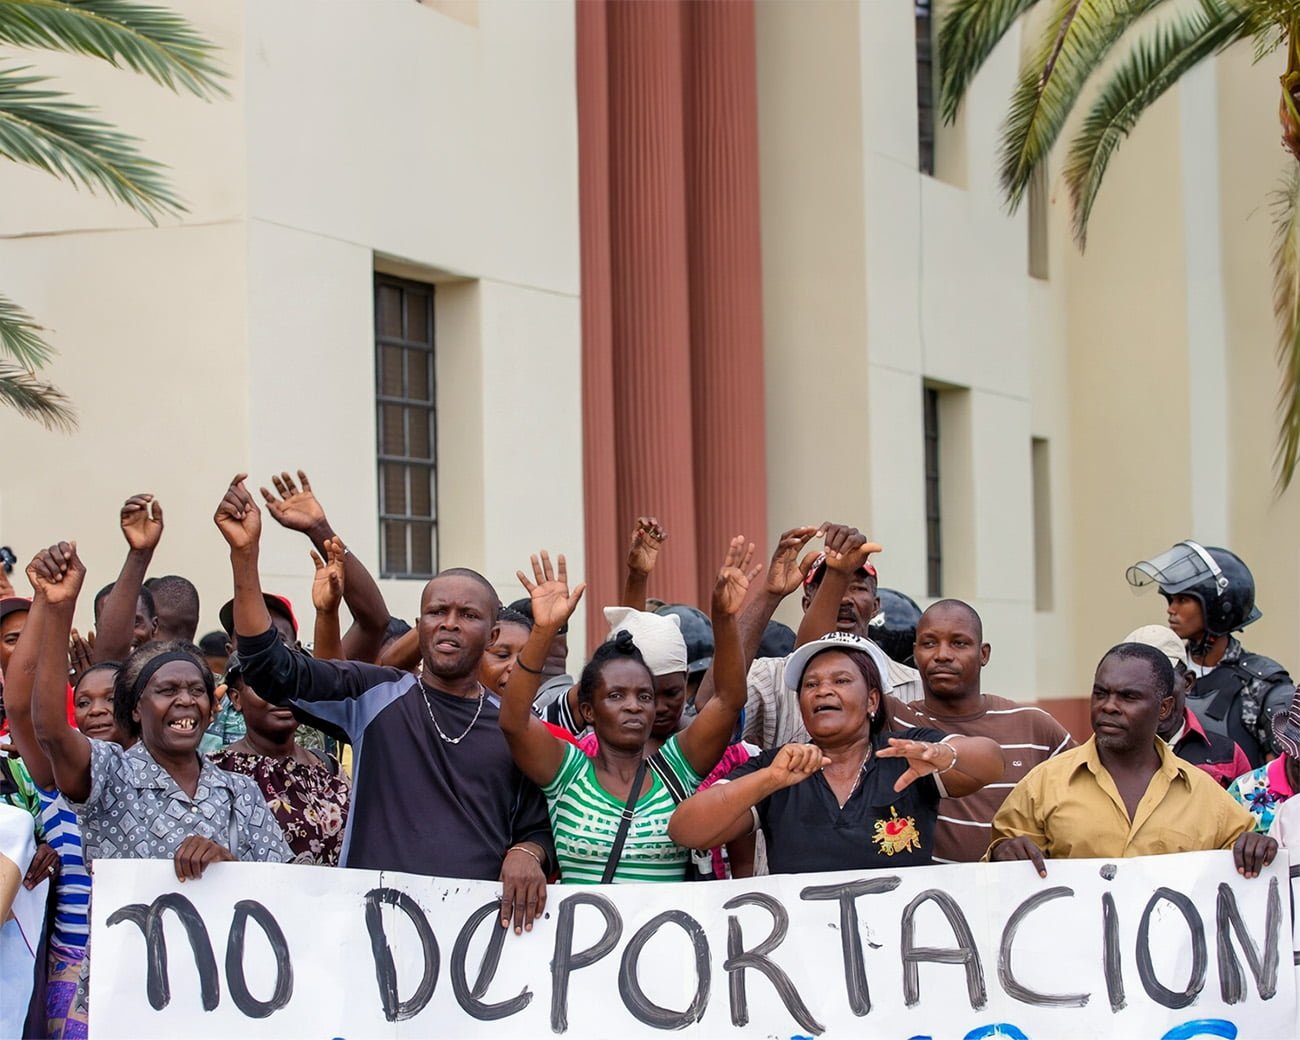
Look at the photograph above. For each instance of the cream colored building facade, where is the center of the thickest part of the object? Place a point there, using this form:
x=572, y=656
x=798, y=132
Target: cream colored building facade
x=1086, y=419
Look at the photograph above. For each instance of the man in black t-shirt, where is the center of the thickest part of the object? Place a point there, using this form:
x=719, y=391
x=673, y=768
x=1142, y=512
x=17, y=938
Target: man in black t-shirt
x=435, y=790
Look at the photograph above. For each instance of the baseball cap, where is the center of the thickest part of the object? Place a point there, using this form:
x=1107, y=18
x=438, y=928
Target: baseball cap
x=275, y=604
x=777, y=641
x=798, y=661
x=819, y=564
x=14, y=605
x=1163, y=639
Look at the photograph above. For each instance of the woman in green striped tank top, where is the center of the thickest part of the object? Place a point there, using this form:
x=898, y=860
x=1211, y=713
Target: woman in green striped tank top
x=587, y=796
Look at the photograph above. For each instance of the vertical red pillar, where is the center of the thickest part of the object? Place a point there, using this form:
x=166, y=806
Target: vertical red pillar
x=726, y=279
x=651, y=318
x=601, y=522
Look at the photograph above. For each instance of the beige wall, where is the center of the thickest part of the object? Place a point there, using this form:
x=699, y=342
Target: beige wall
x=1262, y=524
x=1173, y=380
x=941, y=274
x=240, y=337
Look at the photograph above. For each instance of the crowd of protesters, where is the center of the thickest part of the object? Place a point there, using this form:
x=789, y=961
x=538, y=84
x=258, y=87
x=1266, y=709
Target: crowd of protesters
x=692, y=745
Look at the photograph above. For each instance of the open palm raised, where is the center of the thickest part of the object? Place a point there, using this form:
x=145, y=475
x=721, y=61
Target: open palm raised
x=738, y=570
x=553, y=603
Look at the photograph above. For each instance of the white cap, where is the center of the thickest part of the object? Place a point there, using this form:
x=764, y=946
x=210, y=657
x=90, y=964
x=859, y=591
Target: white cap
x=798, y=661
x=657, y=636
x=1163, y=639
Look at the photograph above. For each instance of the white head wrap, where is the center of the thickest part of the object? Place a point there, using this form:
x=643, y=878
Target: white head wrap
x=658, y=637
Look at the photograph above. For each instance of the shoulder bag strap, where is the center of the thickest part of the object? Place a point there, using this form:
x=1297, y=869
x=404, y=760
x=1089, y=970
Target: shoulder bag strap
x=676, y=789
x=617, y=850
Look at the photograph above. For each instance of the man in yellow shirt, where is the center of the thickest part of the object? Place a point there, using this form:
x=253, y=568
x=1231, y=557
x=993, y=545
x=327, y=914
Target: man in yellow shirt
x=1124, y=793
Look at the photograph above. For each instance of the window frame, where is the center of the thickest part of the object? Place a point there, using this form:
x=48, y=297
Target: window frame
x=409, y=406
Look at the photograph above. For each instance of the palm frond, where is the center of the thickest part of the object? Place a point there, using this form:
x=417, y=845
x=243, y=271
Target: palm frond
x=1285, y=204
x=20, y=336
x=40, y=127
x=1076, y=39
x=151, y=40
x=967, y=36
x=35, y=399
x=1152, y=65
x=1269, y=22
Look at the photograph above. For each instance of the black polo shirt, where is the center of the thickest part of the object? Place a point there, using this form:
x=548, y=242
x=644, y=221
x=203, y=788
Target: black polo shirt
x=807, y=831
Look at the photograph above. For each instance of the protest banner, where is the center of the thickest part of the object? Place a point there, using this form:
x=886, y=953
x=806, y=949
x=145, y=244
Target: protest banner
x=1162, y=947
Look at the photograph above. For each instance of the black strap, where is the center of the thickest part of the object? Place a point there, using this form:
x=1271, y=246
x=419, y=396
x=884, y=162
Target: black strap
x=617, y=849
x=676, y=789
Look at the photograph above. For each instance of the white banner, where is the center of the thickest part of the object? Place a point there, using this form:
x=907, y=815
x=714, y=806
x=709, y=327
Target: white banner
x=1162, y=947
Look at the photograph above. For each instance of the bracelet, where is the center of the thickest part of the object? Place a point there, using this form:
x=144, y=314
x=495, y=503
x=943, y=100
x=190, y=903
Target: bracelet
x=951, y=765
x=530, y=852
x=519, y=663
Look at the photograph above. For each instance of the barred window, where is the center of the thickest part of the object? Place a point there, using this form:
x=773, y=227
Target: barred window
x=933, y=517
x=924, y=85
x=406, y=425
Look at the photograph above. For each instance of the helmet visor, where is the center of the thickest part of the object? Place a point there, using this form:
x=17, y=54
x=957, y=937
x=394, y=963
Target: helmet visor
x=1179, y=568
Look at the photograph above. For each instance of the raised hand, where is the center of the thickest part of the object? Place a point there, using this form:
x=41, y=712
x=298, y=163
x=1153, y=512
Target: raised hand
x=81, y=655
x=553, y=603
x=738, y=570
x=56, y=573
x=786, y=572
x=847, y=549
x=142, y=522
x=795, y=763
x=237, y=516
x=647, y=539
x=923, y=758
x=328, y=584
x=297, y=508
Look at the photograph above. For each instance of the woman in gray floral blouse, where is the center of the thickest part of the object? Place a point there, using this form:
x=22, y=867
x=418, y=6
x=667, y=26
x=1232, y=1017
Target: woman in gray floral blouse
x=160, y=799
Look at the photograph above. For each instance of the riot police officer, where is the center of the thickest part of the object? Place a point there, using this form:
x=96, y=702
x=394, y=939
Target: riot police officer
x=1211, y=594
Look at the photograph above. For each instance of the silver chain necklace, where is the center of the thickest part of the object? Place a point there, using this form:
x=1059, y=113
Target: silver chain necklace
x=428, y=706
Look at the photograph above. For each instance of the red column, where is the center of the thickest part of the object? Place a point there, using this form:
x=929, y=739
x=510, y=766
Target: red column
x=726, y=280
x=598, y=438
x=651, y=319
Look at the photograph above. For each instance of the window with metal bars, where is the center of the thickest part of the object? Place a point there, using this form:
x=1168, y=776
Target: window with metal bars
x=924, y=84
x=933, y=527
x=406, y=425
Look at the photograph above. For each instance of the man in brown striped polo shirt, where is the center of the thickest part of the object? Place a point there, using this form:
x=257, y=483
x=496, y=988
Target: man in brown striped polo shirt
x=950, y=654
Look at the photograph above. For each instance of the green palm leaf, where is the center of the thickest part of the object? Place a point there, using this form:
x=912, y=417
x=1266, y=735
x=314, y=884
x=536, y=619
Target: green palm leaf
x=970, y=31
x=150, y=40
x=1286, y=308
x=20, y=336
x=1151, y=67
x=35, y=399
x=40, y=127
x=1075, y=41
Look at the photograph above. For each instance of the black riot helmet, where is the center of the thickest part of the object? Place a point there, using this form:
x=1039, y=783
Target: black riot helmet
x=893, y=628
x=1217, y=578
